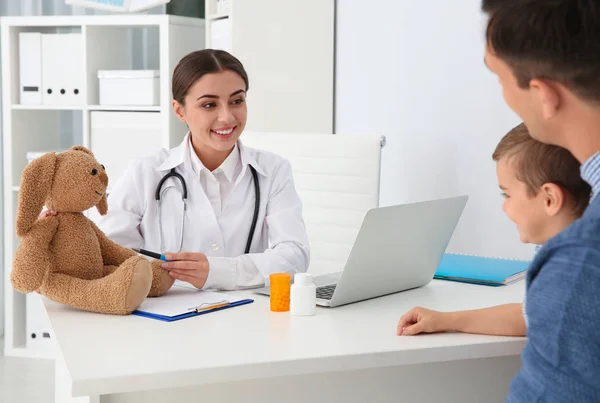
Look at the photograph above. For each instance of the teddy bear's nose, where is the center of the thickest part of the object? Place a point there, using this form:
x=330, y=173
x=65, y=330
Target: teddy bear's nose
x=103, y=178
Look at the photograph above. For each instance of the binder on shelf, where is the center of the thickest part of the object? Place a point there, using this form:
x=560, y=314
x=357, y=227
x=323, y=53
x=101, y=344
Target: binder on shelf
x=62, y=69
x=183, y=302
x=480, y=269
x=30, y=68
x=222, y=7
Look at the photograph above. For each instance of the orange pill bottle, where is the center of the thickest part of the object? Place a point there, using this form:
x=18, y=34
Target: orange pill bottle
x=280, y=292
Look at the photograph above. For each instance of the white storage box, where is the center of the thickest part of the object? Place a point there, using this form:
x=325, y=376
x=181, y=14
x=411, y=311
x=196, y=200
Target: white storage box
x=31, y=155
x=129, y=87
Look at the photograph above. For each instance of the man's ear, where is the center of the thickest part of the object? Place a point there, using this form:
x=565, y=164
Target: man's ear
x=548, y=96
x=554, y=198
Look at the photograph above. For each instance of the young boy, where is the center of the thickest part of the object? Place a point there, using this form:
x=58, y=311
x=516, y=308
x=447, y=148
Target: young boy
x=543, y=194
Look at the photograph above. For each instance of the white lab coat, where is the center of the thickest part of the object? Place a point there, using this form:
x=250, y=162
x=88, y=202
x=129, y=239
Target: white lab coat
x=280, y=242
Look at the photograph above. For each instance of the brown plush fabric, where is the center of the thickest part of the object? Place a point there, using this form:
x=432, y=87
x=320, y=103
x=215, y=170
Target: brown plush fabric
x=67, y=257
x=161, y=280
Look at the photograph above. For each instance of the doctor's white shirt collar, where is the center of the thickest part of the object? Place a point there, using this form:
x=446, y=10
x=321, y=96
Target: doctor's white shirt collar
x=229, y=167
x=180, y=155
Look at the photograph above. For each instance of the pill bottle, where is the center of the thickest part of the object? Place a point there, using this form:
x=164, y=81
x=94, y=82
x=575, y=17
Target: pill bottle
x=303, y=295
x=280, y=292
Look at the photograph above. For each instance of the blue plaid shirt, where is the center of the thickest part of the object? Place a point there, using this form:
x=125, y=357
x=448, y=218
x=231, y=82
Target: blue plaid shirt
x=590, y=172
x=561, y=361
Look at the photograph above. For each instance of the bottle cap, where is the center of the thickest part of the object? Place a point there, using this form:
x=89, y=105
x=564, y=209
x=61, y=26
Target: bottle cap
x=303, y=279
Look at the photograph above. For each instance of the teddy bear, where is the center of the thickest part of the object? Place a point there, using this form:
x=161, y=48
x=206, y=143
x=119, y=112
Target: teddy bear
x=65, y=256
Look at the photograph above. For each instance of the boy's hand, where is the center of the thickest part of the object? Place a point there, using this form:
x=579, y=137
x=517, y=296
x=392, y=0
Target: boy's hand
x=421, y=320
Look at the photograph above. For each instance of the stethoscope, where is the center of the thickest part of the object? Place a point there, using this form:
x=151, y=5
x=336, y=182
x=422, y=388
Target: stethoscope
x=173, y=174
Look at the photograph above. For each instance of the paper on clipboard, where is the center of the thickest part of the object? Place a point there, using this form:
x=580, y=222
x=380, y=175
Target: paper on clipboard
x=181, y=300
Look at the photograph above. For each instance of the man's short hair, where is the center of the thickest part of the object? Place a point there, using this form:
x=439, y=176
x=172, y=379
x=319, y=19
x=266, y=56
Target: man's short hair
x=558, y=40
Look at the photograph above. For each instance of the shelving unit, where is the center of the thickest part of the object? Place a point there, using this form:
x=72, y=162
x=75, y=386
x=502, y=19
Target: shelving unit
x=151, y=108
x=288, y=50
x=106, y=45
x=47, y=107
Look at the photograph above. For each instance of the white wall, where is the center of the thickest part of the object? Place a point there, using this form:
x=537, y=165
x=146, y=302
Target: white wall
x=413, y=70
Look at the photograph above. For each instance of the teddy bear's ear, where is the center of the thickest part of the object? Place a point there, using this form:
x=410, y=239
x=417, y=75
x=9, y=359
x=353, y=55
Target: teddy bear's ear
x=102, y=205
x=83, y=149
x=36, y=183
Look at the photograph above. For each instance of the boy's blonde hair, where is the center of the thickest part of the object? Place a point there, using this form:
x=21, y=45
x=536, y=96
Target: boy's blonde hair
x=537, y=163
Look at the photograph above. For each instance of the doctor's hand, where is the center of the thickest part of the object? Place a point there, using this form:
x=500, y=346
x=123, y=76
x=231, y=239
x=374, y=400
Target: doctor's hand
x=191, y=267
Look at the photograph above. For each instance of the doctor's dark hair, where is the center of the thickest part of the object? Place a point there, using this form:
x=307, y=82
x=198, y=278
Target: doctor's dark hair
x=489, y=6
x=555, y=40
x=536, y=163
x=196, y=64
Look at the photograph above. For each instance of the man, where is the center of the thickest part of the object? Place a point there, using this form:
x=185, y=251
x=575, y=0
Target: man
x=546, y=54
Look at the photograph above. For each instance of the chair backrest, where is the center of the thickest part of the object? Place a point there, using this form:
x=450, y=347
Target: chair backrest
x=337, y=178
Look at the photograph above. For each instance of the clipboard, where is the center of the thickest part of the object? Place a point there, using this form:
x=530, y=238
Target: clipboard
x=183, y=302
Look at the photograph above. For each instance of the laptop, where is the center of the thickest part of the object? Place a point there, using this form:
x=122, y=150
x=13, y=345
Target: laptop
x=397, y=248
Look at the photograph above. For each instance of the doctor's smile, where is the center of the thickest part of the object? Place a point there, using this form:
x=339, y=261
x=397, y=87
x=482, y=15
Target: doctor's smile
x=224, y=133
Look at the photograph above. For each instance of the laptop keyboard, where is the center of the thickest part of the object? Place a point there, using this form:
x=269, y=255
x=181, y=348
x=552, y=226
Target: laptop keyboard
x=326, y=291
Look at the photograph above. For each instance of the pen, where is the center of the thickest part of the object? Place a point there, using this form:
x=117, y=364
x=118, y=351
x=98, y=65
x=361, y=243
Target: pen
x=151, y=254
x=208, y=306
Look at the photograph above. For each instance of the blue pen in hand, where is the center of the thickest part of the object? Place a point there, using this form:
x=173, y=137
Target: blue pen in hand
x=151, y=254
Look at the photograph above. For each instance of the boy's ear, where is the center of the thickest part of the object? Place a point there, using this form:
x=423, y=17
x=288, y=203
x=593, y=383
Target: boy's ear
x=554, y=198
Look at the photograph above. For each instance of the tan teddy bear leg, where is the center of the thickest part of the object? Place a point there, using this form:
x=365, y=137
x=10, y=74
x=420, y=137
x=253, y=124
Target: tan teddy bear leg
x=108, y=269
x=161, y=280
x=118, y=293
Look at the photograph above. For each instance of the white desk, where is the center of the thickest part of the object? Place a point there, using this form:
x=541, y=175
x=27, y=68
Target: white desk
x=245, y=354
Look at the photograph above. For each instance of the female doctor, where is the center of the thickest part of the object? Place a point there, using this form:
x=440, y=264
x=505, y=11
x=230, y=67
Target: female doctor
x=225, y=215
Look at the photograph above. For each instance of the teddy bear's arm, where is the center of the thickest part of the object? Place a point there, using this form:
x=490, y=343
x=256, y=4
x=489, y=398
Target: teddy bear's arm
x=112, y=253
x=32, y=259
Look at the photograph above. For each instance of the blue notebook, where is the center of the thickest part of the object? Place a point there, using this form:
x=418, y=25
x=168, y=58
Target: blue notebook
x=184, y=302
x=480, y=270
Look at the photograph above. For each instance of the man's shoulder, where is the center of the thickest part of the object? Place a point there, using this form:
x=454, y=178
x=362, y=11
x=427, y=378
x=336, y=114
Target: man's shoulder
x=584, y=231
x=573, y=255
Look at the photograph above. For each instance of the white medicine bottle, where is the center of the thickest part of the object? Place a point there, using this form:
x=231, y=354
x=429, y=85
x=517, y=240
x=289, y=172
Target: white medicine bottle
x=303, y=295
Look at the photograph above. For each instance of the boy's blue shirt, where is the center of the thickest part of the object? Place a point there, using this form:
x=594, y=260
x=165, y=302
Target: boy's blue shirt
x=561, y=361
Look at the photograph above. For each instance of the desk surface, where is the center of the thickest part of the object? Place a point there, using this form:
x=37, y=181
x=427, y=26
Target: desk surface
x=113, y=354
